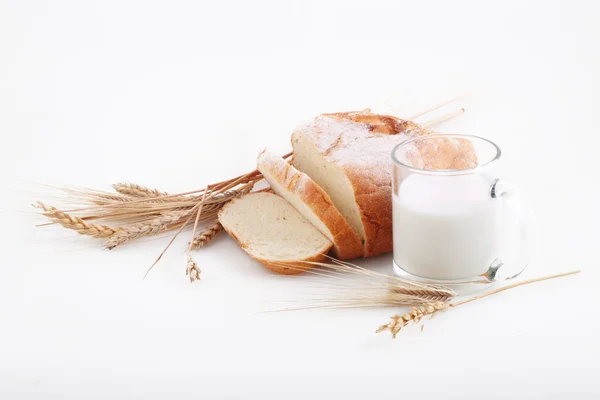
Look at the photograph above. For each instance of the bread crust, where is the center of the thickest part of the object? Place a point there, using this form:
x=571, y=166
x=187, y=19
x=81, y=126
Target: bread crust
x=346, y=243
x=371, y=180
x=281, y=267
x=292, y=268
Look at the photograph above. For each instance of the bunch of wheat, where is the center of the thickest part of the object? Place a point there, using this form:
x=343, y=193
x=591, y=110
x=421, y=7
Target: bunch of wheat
x=135, y=211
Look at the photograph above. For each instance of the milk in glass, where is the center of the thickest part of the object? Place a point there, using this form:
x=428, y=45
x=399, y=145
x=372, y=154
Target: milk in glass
x=445, y=227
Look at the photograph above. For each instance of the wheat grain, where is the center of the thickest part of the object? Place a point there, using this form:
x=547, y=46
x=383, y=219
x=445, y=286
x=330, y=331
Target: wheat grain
x=205, y=236
x=76, y=223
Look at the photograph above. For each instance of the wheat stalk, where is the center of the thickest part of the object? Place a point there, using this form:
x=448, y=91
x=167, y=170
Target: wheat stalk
x=206, y=235
x=438, y=106
x=75, y=223
x=192, y=269
x=417, y=313
x=443, y=118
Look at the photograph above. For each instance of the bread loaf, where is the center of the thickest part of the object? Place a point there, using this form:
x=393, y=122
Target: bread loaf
x=349, y=156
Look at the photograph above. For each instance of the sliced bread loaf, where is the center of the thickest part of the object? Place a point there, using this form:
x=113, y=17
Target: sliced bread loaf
x=349, y=156
x=312, y=202
x=273, y=232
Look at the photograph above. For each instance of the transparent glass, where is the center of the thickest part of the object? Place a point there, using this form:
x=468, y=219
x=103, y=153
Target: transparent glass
x=455, y=222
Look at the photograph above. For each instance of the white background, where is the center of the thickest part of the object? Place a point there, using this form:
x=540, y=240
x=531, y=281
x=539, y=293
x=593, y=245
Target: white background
x=175, y=95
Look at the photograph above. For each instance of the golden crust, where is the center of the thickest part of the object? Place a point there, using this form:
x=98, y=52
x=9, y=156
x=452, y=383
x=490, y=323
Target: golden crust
x=378, y=123
x=292, y=268
x=347, y=244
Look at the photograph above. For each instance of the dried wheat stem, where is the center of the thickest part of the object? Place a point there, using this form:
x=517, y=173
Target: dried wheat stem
x=151, y=227
x=206, y=235
x=417, y=313
x=192, y=268
x=514, y=285
x=438, y=106
x=443, y=118
x=75, y=223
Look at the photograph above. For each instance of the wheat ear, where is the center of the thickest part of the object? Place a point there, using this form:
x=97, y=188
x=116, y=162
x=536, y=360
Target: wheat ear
x=75, y=223
x=206, y=235
x=192, y=270
x=151, y=227
x=417, y=313
x=414, y=316
x=231, y=194
x=135, y=190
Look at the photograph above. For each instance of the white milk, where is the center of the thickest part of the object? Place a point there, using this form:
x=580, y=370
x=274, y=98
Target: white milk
x=446, y=227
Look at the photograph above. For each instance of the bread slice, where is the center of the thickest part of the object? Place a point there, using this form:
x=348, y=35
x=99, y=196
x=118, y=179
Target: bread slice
x=349, y=156
x=312, y=202
x=271, y=231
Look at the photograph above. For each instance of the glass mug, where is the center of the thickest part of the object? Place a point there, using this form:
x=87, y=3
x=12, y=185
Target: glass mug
x=451, y=214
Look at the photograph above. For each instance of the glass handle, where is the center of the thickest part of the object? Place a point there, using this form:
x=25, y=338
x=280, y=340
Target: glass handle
x=517, y=205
